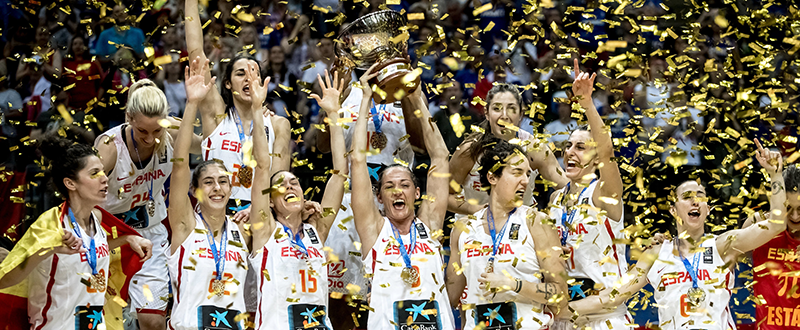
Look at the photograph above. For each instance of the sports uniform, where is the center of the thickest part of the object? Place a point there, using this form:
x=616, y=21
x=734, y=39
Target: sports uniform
x=777, y=283
x=193, y=271
x=472, y=186
x=595, y=261
x=57, y=297
x=516, y=255
x=350, y=269
x=130, y=188
x=671, y=282
x=292, y=286
x=396, y=304
x=226, y=143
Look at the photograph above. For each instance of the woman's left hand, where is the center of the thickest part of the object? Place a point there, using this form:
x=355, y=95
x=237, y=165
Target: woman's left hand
x=312, y=212
x=258, y=89
x=583, y=85
x=142, y=246
x=242, y=215
x=493, y=283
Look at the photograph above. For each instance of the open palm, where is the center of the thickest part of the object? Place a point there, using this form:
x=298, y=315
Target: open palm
x=195, y=81
x=331, y=91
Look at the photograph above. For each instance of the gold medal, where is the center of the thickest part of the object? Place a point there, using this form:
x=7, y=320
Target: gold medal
x=410, y=275
x=696, y=296
x=151, y=208
x=98, y=282
x=490, y=266
x=378, y=141
x=245, y=176
x=219, y=287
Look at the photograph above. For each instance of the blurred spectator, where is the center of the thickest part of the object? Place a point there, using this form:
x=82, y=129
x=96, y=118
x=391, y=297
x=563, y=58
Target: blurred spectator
x=174, y=88
x=85, y=73
x=248, y=39
x=683, y=128
x=122, y=35
x=283, y=84
x=120, y=77
x=62, y=21
x=454, y=119
x=62, y=118
x=10, y=106
x=172, y=43
x=39, y=68
x=560, y=129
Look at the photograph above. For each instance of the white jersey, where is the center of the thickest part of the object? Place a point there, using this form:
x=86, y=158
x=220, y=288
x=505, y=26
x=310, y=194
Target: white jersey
x=671, y=282
x=350, y=267
x=192, y=270
x=224, y=144
x=472, y=186
x=291, y=295
x=393, y=126
x=424, y=304
x=594, y=257
x=129, y=187
x=57, y=299
x=516, y=254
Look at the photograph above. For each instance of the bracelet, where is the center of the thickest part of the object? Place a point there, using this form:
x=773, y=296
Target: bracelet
x=519, y=286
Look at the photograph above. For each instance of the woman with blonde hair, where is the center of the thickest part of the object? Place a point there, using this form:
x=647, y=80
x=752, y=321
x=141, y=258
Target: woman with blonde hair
x=137, y=157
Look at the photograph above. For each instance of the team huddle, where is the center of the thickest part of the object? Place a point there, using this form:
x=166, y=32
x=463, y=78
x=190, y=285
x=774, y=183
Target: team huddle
x=233, y=243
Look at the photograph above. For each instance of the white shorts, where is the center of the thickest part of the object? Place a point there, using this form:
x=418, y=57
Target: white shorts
x=154, y=274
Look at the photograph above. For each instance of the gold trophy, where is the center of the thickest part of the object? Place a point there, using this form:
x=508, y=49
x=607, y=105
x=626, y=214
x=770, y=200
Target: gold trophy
x=380, y=37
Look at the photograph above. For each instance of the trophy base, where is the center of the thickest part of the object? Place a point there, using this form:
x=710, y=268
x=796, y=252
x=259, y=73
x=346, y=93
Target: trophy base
x=390, y=80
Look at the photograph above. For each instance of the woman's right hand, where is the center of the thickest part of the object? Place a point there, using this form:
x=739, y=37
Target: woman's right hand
x=365, y=78
x=770, y=160
x=195, y=81
x=331, y=91
x=70, y=244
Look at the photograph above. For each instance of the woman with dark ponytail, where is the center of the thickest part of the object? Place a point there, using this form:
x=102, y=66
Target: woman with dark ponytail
x=504, y=113
x=65, y=254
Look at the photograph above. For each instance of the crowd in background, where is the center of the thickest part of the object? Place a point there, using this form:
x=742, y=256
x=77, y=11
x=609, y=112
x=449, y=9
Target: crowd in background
x=679, y=84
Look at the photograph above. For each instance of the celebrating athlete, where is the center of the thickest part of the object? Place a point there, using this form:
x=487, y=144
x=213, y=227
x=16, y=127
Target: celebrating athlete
x=208, y=257
x=401, y=251
x=509, y=273
x=288, y=251
x=692, y=274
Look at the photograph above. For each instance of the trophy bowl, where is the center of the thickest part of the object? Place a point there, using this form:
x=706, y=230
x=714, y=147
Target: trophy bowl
x=379, y=37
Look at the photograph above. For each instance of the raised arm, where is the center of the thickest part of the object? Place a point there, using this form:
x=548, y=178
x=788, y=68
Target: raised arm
x=334, y=189
x=262, y=225
x=735, y=242
x=281, y=156
x=609, y=196
x=456, y=281
x=543, y=159
x=365, y=212
x=181, y=215
x=460, y=166
x=434, y=205
x=213, y=105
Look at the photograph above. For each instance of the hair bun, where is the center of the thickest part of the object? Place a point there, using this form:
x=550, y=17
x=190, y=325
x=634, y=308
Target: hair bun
x=139, y=84
x=54, y=147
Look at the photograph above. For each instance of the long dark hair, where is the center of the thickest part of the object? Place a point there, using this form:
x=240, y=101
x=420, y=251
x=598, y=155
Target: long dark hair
x=65, y=159
x=484, y=138
x=227, y=94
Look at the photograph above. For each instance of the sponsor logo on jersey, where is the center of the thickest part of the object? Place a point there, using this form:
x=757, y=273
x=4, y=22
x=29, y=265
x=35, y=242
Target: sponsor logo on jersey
x=708, y=255
x=235, y=236
x=514, y=234
x=422, y=233
x=313, y=236
x=336, y=269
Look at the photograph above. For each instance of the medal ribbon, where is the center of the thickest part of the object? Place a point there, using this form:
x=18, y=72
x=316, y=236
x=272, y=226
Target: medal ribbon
x=497, y=237
x=377, y=119
x=412, y=237
x=91, y=252
x=297, y=242
x=568, y=216
x=152, y=178
x=692, y=268
x=219, y=255
x=240, y=130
